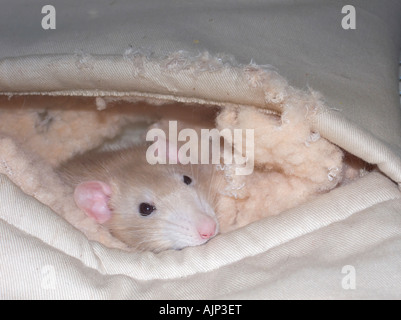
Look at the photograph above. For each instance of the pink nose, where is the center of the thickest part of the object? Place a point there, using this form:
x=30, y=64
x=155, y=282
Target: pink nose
x=207, y=228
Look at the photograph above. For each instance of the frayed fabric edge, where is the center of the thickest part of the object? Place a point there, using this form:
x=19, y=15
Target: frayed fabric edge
x=183, y=77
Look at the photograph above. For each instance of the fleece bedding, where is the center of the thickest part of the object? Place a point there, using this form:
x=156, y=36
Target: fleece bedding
x=328, y=95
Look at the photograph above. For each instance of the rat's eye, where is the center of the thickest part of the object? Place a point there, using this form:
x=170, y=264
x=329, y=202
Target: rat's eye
x=146, y=209
x=187, y=180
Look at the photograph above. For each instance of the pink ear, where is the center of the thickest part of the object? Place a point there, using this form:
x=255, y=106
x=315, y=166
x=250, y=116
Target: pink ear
x=172, y=152
x=93, y=198
x=169, y=152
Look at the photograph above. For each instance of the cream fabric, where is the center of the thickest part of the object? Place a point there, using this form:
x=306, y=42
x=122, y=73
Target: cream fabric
x=355, y=70
x=299, y=254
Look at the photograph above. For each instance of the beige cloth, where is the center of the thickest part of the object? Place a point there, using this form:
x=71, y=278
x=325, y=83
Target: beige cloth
x=299, y=254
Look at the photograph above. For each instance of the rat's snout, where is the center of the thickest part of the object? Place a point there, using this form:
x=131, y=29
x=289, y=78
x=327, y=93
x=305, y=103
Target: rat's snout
x=206, y=227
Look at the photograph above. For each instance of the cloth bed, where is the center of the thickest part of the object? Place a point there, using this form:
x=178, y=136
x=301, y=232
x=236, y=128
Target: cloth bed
x=306, y=251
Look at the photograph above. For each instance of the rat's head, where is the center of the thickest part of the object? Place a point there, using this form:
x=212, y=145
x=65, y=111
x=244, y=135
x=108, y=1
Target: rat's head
x=170, y=212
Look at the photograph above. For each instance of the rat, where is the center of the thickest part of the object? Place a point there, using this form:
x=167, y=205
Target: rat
x=148, y=207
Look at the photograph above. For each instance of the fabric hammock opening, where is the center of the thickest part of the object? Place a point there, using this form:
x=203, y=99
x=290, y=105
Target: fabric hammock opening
x=293, y=163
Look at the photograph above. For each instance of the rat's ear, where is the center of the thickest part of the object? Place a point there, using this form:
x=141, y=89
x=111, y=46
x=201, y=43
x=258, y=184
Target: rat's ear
x=166, y=150
x=93, y=198
x=162, y=150
x=172, y=152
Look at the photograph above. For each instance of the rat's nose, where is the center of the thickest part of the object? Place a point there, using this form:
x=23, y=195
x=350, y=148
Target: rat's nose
x=207, y=228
